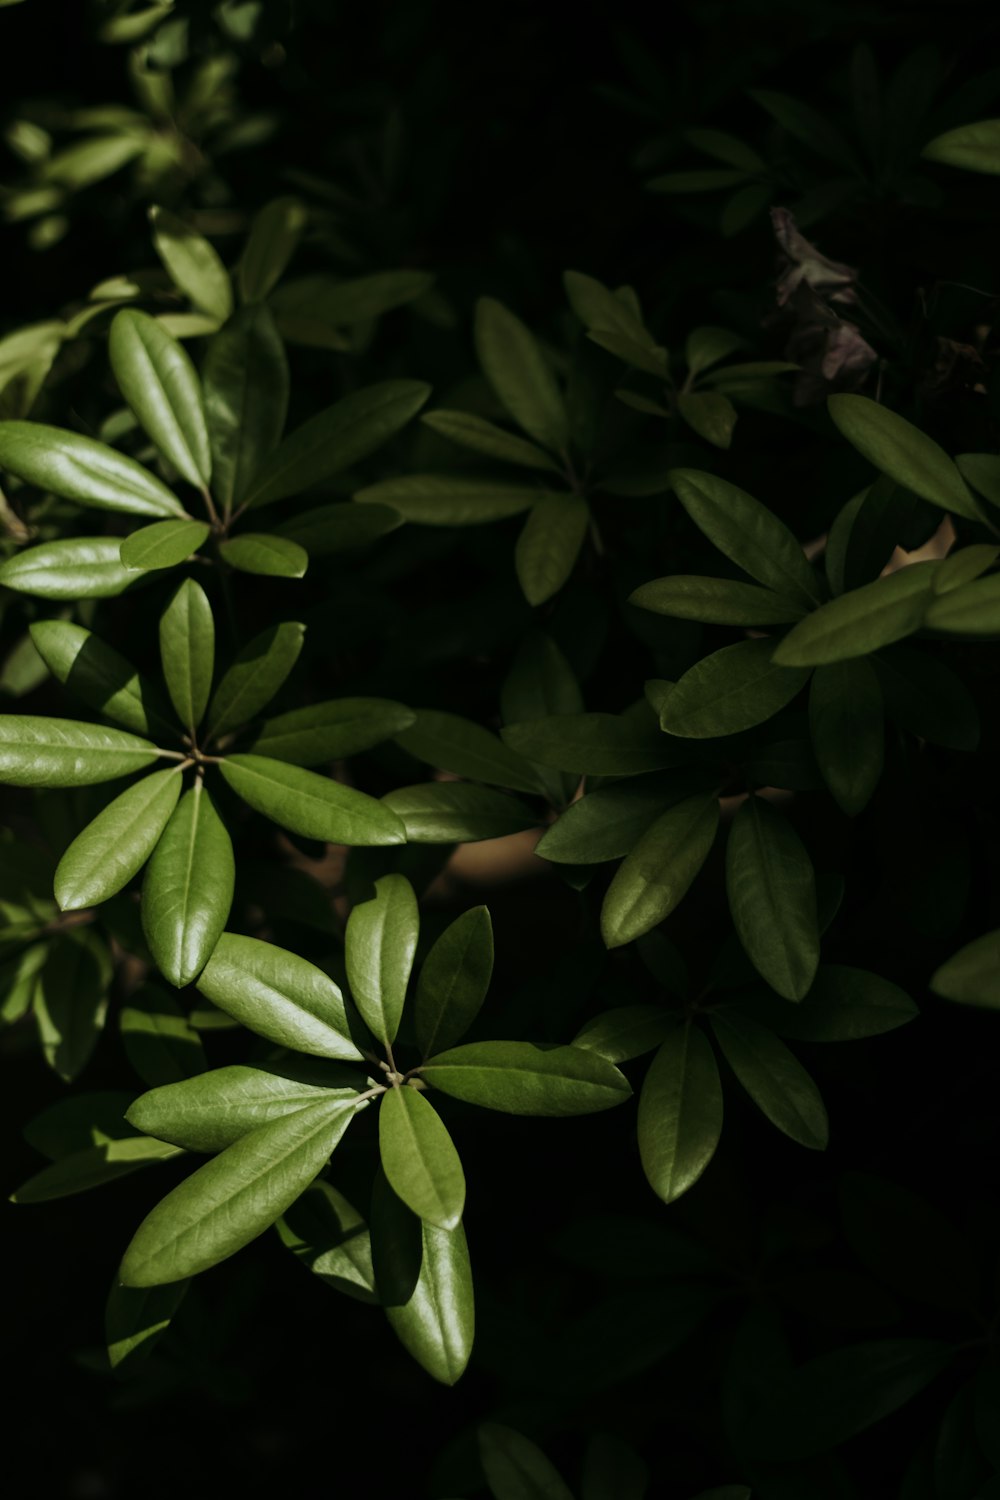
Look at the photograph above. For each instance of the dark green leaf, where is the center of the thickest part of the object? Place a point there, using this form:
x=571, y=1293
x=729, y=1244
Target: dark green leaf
x=92, y=1168
x=70, y=1000
x=747, y=533
x=541, y=682
x=963, y=566
x=79, y=1121
x=608, y=823
x=521, y=377
x=972, y=609
x=708, y=345
x=246, y=399
x=274, y=235
x=807, y=125
x=453, y=812
x=451, y=743
x=656, y=875
x=982, y=470
x=845, y=726
x=731, y=690
x=264, y=553
x=680, y=1113
x=627, y=1032
x=711, y=415
x=613, y=1471
x=896, y=448
x=972, y=975
x=260, y=669
x=65, y=752
x=135, y=1319
x=79, y=567
x=708, y=180
x=450, y=499
x=193, y=264
x=161, y=386
x=331, y=1238
x=863, y=620
x=592, y=744
x=188, y=888
x=334, y=303
x=716, y=601
x=165, y=544
x=311, y=805
x=924, y=696
x=331, y=731
x=549, y=545
x=772, y=896
x=480, y=436
x=419, y=1159
x=81, y=469
x=454, y=979
x=525, y=1078
x=327, y=530
x=100, y=676
x=103, y=858
x=640, y=354
x=380, y=944
x=774, y=1078
x=159, y=1041
x=187, y=651
x=843, y=1005
x=516, y=1468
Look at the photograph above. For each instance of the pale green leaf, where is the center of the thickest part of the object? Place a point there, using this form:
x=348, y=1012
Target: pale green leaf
x=165, y=544
x=81, y=469
x=419, y=1159
x=65, y=752
x=192, y=263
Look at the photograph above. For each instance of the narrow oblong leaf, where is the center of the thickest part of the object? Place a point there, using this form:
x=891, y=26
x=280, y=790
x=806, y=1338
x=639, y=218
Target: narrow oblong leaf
x=656, y=875
x=93, y=1167
x=449, y=499
x=332, y=730
x=135, y=1319
x=280, y=996
x=525, y=1078
x=479, y=436
x=517, y=370
x=274, y=236
x=710, y=414
x=64, y=752
x=516, y=1468
x=70, y=1000
x=453, y=981
x=188, y=888
x=265, y=554
x=187, y=651
x=234, y=1197
x=159, y=1041
x=896, y=448
x=845, y=727
x=326, y=530
x=328, y=1235
x=103, y=858
x=80, y=468
x=971, y=610
x=165, y=544
x=419, y=1159
x=680, y=1113
x=312, y=308
x=844, y=1005
x=100, y=676
x=772, y=896
x=592, y=744
x=450, y=743
x=716, y=601
x=863, y=620
x=549, y=545
x=379, y=945
x=774, y=1078
x=627, y=1032
x=260, y=669
x=246, y=400
x=609, y=822
x=731, y=690
x=192, y=263
x=79, y=567
x=161, y=386
x=972, y=975
x=456, y=812
x=311, y=805
x=974, y=147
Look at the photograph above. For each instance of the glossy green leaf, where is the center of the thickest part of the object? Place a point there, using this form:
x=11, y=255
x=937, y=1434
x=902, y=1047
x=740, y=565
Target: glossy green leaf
x=64, y=752
x=772, y=896
x=520, y=375
x=680, y=1113
x=73, y=568
x=327, y=530
x=336, y=439
x=70, y=1000
x=333, y=730
x=187, y=651
x=158, y=1039
x=266, y=554
x=280, y=996
x=774, y=1078
x=419, y=1159
x=161, y=386
x=246, y=400
x=425, y=1285
x=449, y=499
x=845, y=726
x=863, y=620
x=526, y=1078
x=103, y=858
x=92, y=1168
x=627, y=1032
x=311, y=805
x=450, y=743
x=274, y=236
x=974, y=147
x=234, y=1197
x=100, y=676
x=453, y=981
x=456, y=812
x=80, y=468
x=260, y=669
x=212, y=1111
x=549, y=545
x=657, y=874
x=747, y=533
x=479, y=436
x=896, y=448
x=710, y=414
x=609, y=822
x=972, y=975
x=165, y=544
x=844, y=1005
x=331, y=1238
x=135, y=1319
x=516, y=1468
x=193, y=264
x=716, y=601
x=188, y=888
x=731, y=690
x=592, y=744
x=380, y=943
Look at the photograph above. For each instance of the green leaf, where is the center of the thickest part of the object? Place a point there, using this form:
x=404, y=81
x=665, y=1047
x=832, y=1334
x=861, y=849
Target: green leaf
x=159, y=1041
x=772, y=896
x=747, y=533
x=982, y=470
x=425, y=1285
x=330, y=303
x=451, y=743
x=540, y=683
x=165, y=544
x=79, y=1121
x=100, y=676
x=273, y=239
x=608, y=823
x=716, y=601
x=135, y=1319
x=707, y=346
x=331, y=731
x=246, y=401
x=380, y=943
x=680, y=1113
x=844, y=1005
x=212, y=1111
x=103, y=858
x=266, y=554
x=975, y=147
x=592, y=744
x=234, y=1197
x=280, y=996
x=70, y=1000
x=73, y=568
x=774, y=1078
x=516, y=1468
x=311, y=805
x=845, y=726
x=188, y=888
x=863, y=620
x=549, y=545
x=187, y=651
x=80, y=468
x=640, y=355
x=92, y=1168
x=449, y=499
x=598, y=307
x=522, y=379
x=656, y=875
x=336, y=439
x=970, y=610
x=419, y=1159
x=807, y=125
x=327, y=530
x=17, y=982
x=479, y=436
x=260, y=669
x=527, y=1078
x=331, y=1238
x=961, y=567
x=161, y=386
x=972, y=975
x=192, y=264
x=627, y=1032
x=456, y=812
x=896, y=448
x=924, y=696
x=453, y=981
x=731, y=690
x=65, y=752
x=710, y=414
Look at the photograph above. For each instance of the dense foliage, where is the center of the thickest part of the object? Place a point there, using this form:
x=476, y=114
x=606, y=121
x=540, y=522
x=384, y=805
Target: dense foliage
x=499, y=595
